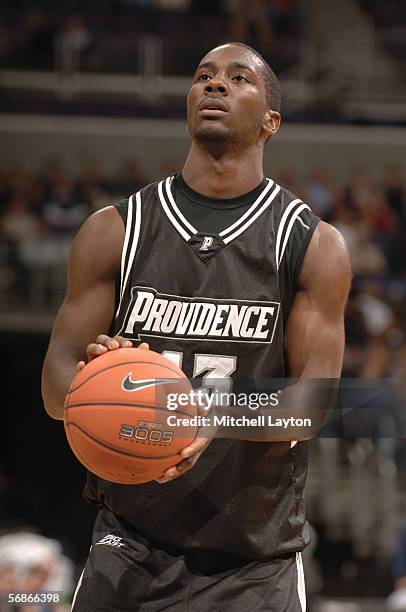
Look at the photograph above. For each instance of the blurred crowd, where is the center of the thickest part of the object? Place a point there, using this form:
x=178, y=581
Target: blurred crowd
x=370, y=212
x=32, y=564
x=40, y=212
x=48, y=37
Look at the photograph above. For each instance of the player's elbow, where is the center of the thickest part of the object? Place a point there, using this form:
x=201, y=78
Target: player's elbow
x=53, y=404
x=54, y=412
x=53, y=408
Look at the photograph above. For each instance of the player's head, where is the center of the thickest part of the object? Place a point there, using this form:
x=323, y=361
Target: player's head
x=235, y=98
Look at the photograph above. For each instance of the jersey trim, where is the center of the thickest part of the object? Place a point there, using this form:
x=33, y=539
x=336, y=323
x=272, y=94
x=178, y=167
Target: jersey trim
x=79, y=584
x=290, y=215
x=187, y=230
x=254, y=216
x=249, y=211
x=303, y=250
x=301, y=588
x=125, y=246
x=132, y=229
x=177, y=219
x=177, y=211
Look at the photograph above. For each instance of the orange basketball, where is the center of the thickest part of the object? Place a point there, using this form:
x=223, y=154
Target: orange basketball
x=116, y=415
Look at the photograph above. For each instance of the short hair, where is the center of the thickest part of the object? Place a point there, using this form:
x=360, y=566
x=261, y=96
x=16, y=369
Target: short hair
x=272, y=85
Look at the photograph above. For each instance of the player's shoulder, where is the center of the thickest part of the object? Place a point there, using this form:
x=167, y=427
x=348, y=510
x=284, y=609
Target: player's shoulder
x=328, y=239
x=293, y=219
x=99, y=243
x=284, y=193
x=327, y=257
x=148, y=194
x=151, y=189
x=286, y=200
x=102, y=221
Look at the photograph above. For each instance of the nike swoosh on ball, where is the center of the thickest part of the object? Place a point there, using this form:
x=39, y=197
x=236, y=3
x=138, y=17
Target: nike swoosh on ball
x=136, y=385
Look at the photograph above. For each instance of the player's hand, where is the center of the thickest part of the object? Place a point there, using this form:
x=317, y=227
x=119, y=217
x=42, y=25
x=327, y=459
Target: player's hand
x=190, y=455
x=106, y=343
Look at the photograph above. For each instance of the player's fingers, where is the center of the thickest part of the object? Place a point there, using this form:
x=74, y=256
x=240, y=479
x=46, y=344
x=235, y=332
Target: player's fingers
x=107, y=341
x=95, y=349
x=80, y=365
x=177, y=470
x=122, y=342
x=144, y=346
x=103, y=338
x=197, y=446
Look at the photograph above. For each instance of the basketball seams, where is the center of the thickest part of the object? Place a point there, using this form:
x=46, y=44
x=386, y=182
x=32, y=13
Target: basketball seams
x=91, y=427
x=118, y=451
x=116, y=365
x=151, y=406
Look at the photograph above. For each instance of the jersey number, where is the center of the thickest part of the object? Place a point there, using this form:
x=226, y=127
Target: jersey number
x=218, y=367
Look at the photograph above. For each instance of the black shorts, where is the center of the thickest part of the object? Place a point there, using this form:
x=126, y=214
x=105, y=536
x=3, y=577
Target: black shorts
x=125, y=572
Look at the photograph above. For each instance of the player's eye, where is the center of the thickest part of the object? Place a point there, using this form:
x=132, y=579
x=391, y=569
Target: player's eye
x=203, y=77
x=240, y=78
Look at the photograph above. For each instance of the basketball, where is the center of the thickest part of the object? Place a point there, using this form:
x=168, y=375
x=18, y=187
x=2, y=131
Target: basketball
x=116, y=415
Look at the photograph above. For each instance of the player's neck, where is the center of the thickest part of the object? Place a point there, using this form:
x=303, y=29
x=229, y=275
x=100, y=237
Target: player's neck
x=226, y=176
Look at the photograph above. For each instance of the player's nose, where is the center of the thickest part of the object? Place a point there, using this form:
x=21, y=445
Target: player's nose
x=217, y=84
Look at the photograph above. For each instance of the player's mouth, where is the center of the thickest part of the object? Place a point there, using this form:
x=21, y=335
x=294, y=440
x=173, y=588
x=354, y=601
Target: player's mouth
x=212, y=108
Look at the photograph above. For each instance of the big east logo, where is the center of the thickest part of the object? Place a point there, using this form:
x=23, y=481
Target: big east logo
x=158, y=314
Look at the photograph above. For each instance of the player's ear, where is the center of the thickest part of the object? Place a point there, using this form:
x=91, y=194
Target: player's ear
x=272, y=121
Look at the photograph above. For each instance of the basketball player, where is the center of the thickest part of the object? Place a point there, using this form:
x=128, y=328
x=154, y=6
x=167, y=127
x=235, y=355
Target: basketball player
x=224, y=529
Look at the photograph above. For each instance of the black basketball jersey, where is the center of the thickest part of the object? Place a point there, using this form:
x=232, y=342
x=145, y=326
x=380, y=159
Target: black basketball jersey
x=217, y=306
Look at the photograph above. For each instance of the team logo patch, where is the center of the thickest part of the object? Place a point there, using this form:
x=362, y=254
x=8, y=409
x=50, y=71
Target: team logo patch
x=207, y=242
x=111, y=540
x=162, y=315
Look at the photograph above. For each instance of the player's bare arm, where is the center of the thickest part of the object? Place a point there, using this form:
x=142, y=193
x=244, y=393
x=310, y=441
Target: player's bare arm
x=315, y=330
x=314, y=340
x=314, y=344
x=88, y=308
x=315, y=335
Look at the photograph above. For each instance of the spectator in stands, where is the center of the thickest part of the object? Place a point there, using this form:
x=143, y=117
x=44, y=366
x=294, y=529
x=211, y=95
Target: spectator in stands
x=93, y=189
x=287, y=15
x=91, y=176
x=395, y=192
x=129, y=178
x=34, y=42
x=172, y=5
x=63, y=213
x=378, y=315
x=72, y=43
x=18, y=222
x=16, y=181
x=290, y=179
x=6, y=42
x=169, y=166
x=380, y=221
x=396, y=602
x=360, y=193
x=206, y=7
x=138, y=4
x=32, y=563
x=50, y=174
x=18, y=226
x=248, y=17
x=367, y=257
x=322, y=193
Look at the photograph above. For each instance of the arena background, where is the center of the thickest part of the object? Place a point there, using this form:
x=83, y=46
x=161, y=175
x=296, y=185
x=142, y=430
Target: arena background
x=92, y=107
